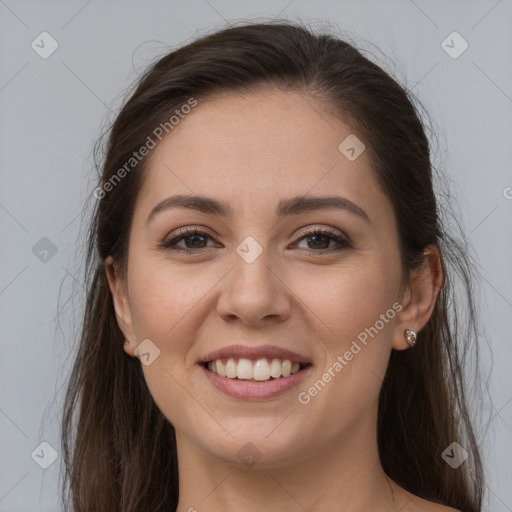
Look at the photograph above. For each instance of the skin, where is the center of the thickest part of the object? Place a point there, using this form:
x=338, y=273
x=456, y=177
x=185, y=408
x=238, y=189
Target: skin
x=252, y=152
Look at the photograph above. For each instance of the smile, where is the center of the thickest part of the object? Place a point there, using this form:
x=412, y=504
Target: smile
x=257, y=370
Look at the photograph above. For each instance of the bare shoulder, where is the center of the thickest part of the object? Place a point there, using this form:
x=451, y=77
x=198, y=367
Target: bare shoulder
x=441, y=508
x=429, y=506
x=417, y=504
x=411, y=503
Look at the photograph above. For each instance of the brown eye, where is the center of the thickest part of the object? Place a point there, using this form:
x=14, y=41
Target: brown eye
x=193, y=240
x=319, y=241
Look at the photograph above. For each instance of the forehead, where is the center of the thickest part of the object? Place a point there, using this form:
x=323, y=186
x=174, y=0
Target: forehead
x=281, y=129
x=258, y=148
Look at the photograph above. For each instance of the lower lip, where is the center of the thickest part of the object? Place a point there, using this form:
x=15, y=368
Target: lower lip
x=249, y=390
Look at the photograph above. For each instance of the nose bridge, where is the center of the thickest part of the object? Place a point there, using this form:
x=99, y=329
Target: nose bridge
x=252, y=292
x=252, y=276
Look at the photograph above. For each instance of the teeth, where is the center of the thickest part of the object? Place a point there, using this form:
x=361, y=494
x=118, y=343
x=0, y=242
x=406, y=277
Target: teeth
x=231, y=368
x=275, y=368
x=221, y=369
x=244, y=369
x=259, y=370
x=287, y=368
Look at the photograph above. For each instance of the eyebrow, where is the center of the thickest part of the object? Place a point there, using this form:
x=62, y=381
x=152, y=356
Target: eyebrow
x=293, y=206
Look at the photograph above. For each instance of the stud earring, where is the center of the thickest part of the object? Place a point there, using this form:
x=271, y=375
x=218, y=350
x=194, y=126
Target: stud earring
x=410, y=337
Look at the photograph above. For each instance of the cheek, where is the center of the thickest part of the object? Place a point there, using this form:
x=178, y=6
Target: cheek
x=354, y=314
x=164, y=303
x=162, y=296
x=350, y=298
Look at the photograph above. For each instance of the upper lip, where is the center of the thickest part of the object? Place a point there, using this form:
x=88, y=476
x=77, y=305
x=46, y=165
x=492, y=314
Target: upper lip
x=254, y=352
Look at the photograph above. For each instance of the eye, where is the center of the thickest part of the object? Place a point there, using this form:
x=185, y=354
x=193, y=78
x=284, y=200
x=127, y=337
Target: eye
x=318, y=241
x=195, y=240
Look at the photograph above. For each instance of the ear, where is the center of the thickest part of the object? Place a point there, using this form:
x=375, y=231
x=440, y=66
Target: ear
x=420, y=296
x=119, y=291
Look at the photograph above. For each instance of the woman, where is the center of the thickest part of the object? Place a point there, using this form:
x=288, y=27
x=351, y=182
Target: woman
x=267, y=324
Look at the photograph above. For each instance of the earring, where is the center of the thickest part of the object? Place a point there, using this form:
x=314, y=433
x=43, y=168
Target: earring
x=410, y=337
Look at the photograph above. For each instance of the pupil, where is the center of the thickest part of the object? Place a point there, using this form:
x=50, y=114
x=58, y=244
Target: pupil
x=319, y=236
x=195, y=237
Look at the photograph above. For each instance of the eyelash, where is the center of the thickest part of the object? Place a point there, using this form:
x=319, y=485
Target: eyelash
x=343, y=244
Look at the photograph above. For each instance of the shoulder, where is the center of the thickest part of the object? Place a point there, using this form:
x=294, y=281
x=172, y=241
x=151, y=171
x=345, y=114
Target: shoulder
x=428, y=506
x=442, y=508
x=417, y=504
x=412, y=503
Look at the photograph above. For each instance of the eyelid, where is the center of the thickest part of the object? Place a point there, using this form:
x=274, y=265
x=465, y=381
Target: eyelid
x=305, y=231
x=181, y=233
x=324, y=229
x=190, y=229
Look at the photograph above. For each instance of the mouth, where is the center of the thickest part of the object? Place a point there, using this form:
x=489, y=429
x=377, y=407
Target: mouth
x=250, y=372
x=254, y=370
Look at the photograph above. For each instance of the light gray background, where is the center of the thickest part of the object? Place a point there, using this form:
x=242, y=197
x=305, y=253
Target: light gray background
x=52, y=111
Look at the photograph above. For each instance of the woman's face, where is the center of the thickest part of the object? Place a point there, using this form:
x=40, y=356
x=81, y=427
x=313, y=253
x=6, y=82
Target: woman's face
x=256, y=278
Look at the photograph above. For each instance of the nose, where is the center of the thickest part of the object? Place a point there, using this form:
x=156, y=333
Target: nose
x=254, y=293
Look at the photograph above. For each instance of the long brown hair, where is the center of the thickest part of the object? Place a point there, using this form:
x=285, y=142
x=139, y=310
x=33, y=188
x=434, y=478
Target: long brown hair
x=119, y=450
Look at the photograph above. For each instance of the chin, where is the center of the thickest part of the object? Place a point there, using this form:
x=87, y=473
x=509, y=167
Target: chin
x=260, y=447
